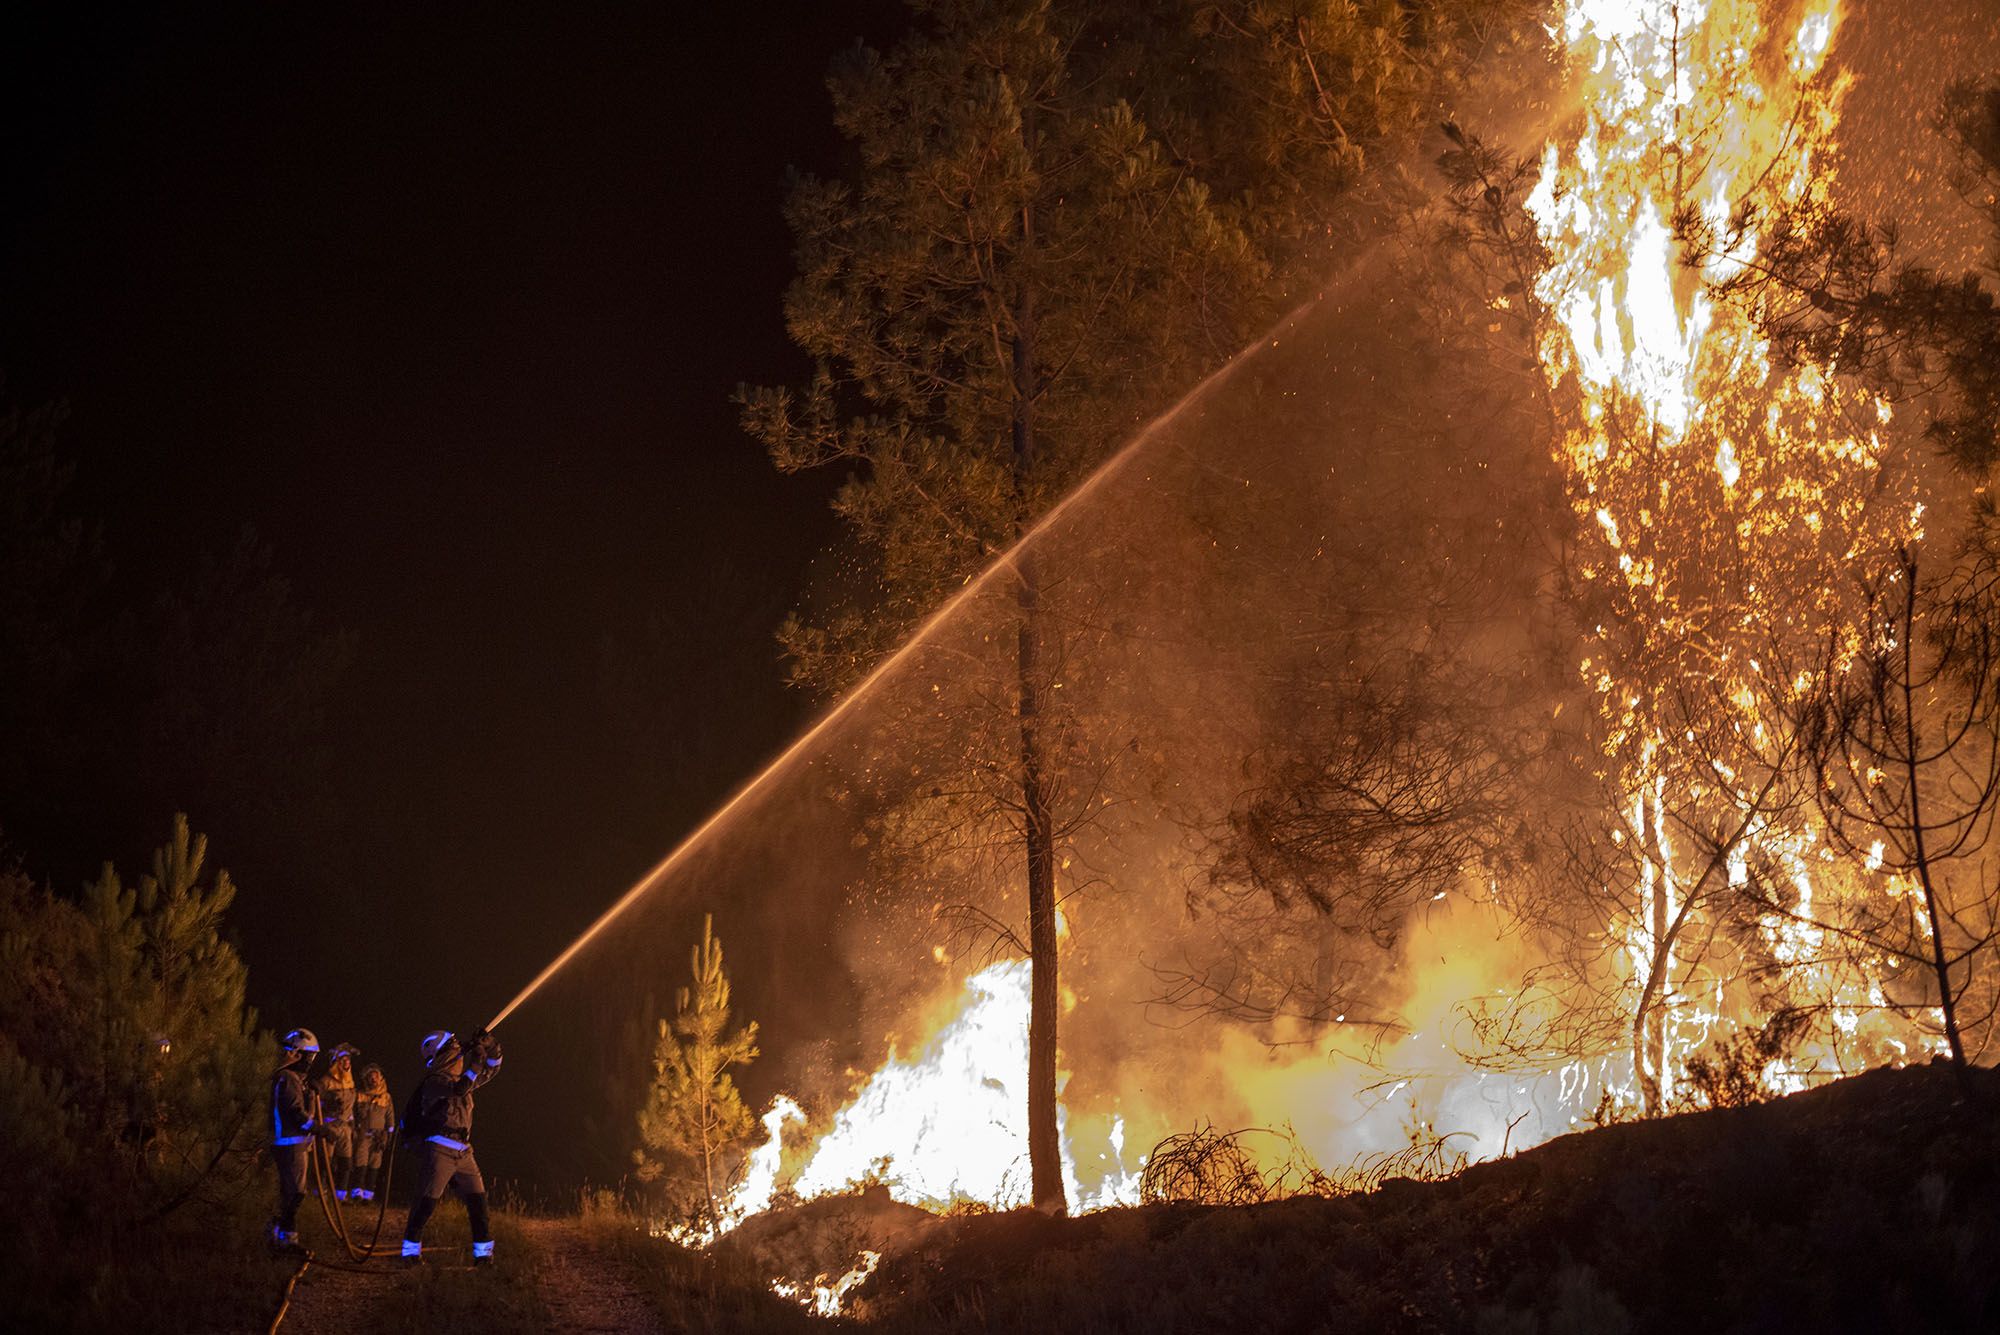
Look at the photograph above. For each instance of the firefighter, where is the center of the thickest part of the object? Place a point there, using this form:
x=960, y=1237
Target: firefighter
x=437, y=1123
x=291, y=1132
x=373, y=1119
x=335, y=1087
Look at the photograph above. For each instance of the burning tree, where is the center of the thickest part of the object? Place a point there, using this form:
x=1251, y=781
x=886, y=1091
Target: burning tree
x=1719, y=497
x=694, y=1119
x=1835, y=289
x=1908, y=757
x=1904, y=742
x=1020, y=268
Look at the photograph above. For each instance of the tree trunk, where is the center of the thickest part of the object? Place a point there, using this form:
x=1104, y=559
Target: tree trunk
x=1912, y=760
x=1044, y=1143
x=708, y=1162
x=1326, y=960
x=1649, y=1026
x=1044, y=1148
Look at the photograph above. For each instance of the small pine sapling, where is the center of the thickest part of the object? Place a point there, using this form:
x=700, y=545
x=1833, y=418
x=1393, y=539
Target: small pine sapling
x=694, y=1118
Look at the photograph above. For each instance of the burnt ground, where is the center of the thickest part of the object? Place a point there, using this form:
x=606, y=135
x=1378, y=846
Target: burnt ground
x=1871, y=1204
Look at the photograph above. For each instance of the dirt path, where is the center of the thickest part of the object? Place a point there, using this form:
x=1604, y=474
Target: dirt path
x=334, y=1296
x=586, y=1288
x=327, y=1301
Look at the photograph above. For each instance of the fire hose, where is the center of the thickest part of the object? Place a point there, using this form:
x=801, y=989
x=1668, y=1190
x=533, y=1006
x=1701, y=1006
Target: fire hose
x=319, y=1179
x=320, y=1172
x=285, y=1298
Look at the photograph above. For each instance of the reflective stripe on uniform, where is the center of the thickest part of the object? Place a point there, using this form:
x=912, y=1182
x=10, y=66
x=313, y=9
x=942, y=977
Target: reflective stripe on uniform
x=451, y=1144
x=482, y=1249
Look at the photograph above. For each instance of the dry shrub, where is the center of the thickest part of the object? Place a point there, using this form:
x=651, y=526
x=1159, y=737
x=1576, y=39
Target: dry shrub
x=1729, y=1073
x=1209, y=1167
x=1427, y=1158
x=1203, y=1167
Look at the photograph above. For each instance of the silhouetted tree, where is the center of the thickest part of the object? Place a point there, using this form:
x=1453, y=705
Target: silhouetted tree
x=121, y=696
x=129, y=1061
x=1406, y=657
x=1299, y=115
x=1908, y=757
x=1018, y=275
x=52, y=632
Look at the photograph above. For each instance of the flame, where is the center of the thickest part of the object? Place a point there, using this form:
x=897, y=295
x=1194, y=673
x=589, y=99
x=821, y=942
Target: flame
x=824, y=1298
x=951, y=1124
x=1721, y=497
x=945, y=1127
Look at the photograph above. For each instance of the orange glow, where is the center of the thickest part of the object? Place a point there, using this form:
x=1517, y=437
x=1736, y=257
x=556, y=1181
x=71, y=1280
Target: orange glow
x=1718, y=501
x=1723, y=498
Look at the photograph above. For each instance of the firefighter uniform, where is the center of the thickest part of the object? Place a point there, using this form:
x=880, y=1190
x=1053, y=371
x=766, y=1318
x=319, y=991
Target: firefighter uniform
x=291, y=1132
x=373, y=1120
x=442, y=1112
x=336, y=1117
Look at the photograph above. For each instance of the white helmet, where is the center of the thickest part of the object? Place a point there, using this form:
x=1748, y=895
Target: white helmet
x=300, y=1040
x=440, y=1046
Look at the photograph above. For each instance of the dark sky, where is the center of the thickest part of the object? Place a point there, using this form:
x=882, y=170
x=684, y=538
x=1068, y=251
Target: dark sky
x=447, y=301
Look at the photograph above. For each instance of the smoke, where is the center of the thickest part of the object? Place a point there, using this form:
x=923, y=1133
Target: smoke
x=1343, y=552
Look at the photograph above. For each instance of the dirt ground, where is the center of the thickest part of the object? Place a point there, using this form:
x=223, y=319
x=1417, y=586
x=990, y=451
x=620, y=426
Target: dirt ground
x=582, y=1288
x=326, y=1299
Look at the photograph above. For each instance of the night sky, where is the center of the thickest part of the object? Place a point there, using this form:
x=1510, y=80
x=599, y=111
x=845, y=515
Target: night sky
x=447, y=301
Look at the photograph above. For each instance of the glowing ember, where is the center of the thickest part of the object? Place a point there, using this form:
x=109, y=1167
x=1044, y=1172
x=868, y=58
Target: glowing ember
x=823, y=1298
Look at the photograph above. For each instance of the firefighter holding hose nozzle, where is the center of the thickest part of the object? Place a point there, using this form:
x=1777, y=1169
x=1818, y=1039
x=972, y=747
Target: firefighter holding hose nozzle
x=437, y=1124
x=292, y=1125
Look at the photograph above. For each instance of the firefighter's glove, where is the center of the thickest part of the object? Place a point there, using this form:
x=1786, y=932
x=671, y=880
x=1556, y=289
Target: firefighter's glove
x=483, y=1049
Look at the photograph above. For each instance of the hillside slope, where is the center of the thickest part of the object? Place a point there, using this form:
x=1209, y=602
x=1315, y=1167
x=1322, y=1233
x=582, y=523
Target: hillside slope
x=1869, y=1204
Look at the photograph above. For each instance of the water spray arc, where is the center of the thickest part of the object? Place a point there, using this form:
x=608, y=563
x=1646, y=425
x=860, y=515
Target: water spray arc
x=973, y=588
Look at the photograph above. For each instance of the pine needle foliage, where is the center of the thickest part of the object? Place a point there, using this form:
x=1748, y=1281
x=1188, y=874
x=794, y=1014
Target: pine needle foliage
x=694, y=1120
x=130, y=1064
x=1017, y=278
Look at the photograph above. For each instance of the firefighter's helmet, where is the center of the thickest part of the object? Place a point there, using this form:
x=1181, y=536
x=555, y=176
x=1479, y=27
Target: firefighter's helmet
x=300, y=1040
x=440, y=1046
